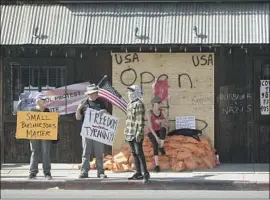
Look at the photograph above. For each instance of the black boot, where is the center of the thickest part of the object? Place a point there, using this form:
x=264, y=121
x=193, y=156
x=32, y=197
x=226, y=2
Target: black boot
x=146, y=177
x=157, y=168
x=136, y=176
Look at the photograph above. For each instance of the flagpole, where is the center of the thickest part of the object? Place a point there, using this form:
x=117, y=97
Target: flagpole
x=104, y=77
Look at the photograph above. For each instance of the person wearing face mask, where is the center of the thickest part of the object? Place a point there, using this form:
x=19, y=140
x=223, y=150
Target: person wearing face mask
x=88, y=145
x=134, y=132
x=45, y=146
x=156, y=129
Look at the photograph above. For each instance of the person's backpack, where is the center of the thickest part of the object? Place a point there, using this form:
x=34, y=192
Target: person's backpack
x=194, y=133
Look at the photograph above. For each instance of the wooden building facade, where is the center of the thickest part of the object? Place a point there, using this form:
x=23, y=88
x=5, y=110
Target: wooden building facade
x=241, y=132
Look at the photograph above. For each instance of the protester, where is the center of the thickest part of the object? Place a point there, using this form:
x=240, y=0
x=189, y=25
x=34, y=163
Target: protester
x=87, y=144
x=134, y=132
x=45, y=145
x=157, y=124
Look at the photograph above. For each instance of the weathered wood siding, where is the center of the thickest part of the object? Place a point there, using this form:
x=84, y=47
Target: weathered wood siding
x=241, y=133
x=85, y=65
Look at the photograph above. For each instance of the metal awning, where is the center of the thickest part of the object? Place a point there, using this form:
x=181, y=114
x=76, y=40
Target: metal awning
x=201, y=23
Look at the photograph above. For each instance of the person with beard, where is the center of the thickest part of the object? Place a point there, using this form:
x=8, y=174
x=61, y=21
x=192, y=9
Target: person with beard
x=134, y=132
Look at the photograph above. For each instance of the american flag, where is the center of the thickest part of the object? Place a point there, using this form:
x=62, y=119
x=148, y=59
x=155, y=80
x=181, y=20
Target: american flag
x=107, y=92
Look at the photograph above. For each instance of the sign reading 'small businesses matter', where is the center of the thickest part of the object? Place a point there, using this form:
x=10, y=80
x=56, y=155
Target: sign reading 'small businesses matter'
x=37, y=125
x=101, y=128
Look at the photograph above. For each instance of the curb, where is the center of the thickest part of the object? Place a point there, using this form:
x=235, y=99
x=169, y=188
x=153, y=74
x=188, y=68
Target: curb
x=120, y=184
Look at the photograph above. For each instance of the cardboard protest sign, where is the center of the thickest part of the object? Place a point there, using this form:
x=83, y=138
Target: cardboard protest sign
x=101, y=128
x=37, y=125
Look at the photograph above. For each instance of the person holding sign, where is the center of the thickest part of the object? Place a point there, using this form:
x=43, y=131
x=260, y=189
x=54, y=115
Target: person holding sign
x=87, y=144
x=36, y=144
x=156, y=129
x=134, y=132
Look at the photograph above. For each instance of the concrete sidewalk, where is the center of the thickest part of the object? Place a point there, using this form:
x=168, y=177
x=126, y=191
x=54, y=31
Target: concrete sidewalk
x=65, y=176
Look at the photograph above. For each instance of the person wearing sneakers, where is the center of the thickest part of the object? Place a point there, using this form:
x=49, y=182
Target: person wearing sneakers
x=134, y=132
x=156, y=129
x=45, y=146
x=88, y=145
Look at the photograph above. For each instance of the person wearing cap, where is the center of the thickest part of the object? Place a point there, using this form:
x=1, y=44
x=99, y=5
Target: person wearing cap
x=88, y=145
x=156, y=129
x=134, y=132
x=45, y=146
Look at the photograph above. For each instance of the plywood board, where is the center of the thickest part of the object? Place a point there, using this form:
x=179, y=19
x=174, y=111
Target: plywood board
x=190, y=77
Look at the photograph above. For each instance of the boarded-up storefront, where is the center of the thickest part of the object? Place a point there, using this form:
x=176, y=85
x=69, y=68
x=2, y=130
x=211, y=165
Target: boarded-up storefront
x=190, y=79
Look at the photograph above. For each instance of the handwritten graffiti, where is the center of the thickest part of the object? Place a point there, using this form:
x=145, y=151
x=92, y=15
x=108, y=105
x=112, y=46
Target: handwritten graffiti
x=147, y=77
x=235, y=103
x=128, y=58
x=126, y=71
x=204, y=122
x=203, y=60
x=201, y=99
x=235, y=96
x=184, y=75
x=236, y=109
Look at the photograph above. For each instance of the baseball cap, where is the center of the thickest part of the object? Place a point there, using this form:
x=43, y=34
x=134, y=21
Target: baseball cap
x=156, y=99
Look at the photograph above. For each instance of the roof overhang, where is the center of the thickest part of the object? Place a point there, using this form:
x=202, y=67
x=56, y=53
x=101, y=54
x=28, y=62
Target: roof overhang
x=128, y=24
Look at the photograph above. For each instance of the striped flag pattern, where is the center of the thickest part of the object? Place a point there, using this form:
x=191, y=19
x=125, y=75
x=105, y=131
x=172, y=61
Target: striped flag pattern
x=107, y=92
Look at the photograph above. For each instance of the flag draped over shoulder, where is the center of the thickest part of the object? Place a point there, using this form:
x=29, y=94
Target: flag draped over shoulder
x=107, y=92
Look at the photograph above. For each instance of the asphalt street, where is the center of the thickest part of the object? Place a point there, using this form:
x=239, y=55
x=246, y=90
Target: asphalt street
x=131, y=194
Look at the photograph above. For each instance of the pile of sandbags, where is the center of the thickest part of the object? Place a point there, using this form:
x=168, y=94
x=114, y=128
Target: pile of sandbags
x=189, y=153
x=182, y=153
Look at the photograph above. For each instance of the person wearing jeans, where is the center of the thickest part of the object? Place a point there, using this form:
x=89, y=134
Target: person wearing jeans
x=45, y=146
x=156, y=129
x=134, y=132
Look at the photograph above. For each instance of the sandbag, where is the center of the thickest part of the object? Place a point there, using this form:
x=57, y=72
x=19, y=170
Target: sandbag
x=117, y=167
x=131, y=159
x=209, y=162
x=198, y=159
x=163, y=159
x=126, y=167
x=200, y=151
x=175, y=145
x=108, y=165
x=191, y=140
x=93, y=164
x=150, y=166
x=178, y=166
x=164, y=165
x=190, y=163
x=190, y=146
x=182, y=155
x=178, y=138
x=121, y=159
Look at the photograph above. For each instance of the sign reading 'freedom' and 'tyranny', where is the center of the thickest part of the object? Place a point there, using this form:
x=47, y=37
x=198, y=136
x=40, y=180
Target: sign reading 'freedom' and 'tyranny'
x=101, y=128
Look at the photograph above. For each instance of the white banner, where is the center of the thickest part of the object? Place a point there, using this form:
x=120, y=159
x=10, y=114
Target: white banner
x=64, y=100
x=101, y=128
x=265, y=92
